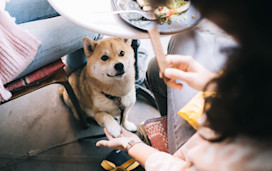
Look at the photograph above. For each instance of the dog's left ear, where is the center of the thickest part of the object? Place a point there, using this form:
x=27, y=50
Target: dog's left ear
x=127, y=41
x=88, y=46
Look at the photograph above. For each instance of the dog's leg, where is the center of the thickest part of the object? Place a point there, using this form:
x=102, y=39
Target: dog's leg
x=106, y=120
x=127, y=124
x=128, y=101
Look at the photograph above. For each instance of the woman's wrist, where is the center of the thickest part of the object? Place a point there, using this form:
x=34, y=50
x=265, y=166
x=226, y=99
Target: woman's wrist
x=141, y=152
x=131, y=144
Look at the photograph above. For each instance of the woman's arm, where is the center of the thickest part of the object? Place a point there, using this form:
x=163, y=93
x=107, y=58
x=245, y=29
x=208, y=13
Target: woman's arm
x=141, y=152
x=152, y=159
x=149, y=157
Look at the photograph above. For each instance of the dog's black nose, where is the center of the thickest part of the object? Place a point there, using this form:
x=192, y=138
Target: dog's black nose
x=119, y=66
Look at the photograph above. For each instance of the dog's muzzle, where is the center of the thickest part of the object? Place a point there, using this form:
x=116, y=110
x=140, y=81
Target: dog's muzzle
x=119, y=67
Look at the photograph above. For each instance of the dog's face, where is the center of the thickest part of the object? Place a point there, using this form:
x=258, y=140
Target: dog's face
x=110, y=58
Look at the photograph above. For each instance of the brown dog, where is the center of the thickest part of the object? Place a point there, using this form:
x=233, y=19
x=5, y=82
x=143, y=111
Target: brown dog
x=105, y=85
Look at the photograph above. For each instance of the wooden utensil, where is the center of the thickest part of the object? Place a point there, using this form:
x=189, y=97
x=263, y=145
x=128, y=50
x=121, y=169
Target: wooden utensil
x=158, y=50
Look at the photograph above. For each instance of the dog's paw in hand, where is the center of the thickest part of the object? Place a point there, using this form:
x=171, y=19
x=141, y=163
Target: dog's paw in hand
x=114, y=129
x=130, y=126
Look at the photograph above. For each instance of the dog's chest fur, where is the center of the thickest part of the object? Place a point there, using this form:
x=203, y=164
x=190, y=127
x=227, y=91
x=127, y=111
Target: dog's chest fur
x=94, y=99
x=108, y=103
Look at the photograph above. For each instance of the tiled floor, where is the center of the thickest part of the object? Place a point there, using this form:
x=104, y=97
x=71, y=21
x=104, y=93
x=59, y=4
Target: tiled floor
x=40, y=119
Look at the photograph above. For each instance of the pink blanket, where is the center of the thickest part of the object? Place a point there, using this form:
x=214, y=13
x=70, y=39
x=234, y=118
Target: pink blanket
x=17, y=49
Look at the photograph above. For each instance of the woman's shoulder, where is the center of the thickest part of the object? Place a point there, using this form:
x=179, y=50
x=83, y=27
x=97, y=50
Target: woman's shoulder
x=242, y=153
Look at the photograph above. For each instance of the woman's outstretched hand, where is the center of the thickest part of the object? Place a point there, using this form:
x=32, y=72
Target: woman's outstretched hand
x=185, y=68
x=119, y=143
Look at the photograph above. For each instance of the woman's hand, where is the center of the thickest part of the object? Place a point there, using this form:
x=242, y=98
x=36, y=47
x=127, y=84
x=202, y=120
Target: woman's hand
x=119, y=143
x=185, y=68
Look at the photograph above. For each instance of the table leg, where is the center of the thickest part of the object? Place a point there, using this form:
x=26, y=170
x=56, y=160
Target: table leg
x=140, y=89
x=135, y=46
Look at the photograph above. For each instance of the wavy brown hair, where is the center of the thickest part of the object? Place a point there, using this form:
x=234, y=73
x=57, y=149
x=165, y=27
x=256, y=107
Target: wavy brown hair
x=243, y=101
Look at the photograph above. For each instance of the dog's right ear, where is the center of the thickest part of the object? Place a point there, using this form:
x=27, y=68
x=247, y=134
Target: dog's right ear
x=88, y=46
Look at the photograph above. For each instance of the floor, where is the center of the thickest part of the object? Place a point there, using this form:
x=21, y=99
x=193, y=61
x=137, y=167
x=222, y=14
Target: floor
x=40, y=120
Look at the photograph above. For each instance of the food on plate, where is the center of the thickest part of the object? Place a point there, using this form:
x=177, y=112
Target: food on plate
x=165, y=12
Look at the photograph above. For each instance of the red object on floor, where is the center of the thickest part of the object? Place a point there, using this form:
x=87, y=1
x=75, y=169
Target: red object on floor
x=156, y=130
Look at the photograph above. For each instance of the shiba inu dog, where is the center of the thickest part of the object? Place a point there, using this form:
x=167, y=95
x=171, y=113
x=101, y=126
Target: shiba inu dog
x=105, y=86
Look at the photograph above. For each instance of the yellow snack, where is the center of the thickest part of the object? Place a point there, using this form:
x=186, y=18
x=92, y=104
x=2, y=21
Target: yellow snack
x=193, y=110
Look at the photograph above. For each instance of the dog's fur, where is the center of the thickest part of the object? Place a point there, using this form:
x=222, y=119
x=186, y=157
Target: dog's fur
x=108, y=73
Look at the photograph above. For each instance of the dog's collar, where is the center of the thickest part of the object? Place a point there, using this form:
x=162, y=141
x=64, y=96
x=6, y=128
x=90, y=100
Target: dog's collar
x=109, y=96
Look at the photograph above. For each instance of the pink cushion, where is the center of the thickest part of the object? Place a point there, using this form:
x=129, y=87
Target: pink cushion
x=156, y=130
x=35, y=76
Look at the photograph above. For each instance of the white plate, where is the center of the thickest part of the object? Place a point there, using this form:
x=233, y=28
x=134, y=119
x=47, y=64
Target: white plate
x=179, y=23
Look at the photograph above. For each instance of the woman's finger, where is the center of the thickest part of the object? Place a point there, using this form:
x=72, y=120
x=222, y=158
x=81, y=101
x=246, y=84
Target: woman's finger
x=178, y=59
x=102, y=143
x=176, y=74
x=160, y=74
x=174, y=85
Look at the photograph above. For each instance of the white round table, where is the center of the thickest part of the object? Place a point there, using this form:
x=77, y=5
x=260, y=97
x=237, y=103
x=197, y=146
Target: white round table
x=81, y=13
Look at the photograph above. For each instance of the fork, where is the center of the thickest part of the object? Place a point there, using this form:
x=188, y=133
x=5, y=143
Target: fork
x=147, y=15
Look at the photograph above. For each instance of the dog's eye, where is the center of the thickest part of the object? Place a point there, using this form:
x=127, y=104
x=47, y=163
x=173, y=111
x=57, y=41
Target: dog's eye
x=104, y=58
x=122, y=53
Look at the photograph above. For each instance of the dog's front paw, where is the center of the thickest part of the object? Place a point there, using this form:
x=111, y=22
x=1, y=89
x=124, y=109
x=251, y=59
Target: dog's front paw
x=114, y=129
x=130, y=126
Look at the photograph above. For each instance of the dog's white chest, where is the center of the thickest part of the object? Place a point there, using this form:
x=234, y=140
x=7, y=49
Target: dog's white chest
x=108, y=104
